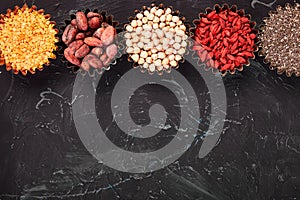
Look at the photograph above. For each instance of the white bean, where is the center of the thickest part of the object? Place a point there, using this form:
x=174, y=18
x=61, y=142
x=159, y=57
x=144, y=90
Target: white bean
x=135, y=57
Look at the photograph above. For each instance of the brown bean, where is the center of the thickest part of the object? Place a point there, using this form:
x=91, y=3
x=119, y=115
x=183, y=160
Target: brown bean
x=111, y=51
x=71, y=35
x=74, y=22
x=82, y=22
x=108, y=35
x=80, y=36
x=99, y=32
x=65, y=34
x=107, y=62
x=85, y=65
x=93, y=42
x=97, y=51
x=93, y=14
x=74, y=46
x=68, y=53
x=93, y=61
x=103, y=58
x=82, y=51
x=94, y=22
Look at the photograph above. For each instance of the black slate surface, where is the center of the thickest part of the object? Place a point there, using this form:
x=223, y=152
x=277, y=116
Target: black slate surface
x=42, y=157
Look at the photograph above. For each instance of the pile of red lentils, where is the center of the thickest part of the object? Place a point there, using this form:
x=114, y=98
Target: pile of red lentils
x=224, y=38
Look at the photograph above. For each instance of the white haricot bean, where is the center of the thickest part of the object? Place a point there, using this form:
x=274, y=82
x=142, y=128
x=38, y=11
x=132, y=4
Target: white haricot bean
x=183, y=43
x=153, y=10
x=162, y=25
x=141, y=61
x=145, y=65
x=160, y=68
x=147, y=41
x=159, y=47
x=135, y=57
x=165, y=47
x=156, y=19
x=162, y=18
x=177, y=39
x=180, y=33
x=152, y=68
x=135, y=39
x=138, y=30
x=133, y=23
x=140, y=45
x=139, y=15
x=149, y=60
x=182, y=27
x=128, y=42
x=159, y=12
x=154, y=56
x=169, y=51
x=157, y=62
x=147, y=34
x=130, y=50
x=136, y=50
x=159, y=33
x=171, y=57
x=150, y=16
x=172, y=42
x=169, y=17
x=165, y=61
x=176, y=46
x=172, y=24
x=144, y=54
x=178, y=57
x=147, y=27
x=161, y=55
x=156, y=42
x=146, y=13
x=175, y=19
x=169, y=35
x=144, y=20
x=127, y=35
x=173, y=63
x=168, y=11
x=181, y=51
x=139, y=23
x=129, y=28
x=154, y=50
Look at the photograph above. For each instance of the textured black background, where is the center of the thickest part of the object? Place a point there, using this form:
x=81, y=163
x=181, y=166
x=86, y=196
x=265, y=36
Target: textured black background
x=42, y=157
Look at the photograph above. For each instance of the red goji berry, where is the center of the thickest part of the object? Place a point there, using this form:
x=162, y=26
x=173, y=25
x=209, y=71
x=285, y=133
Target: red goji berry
x=230, y=57
x=205, y=20
x=211, y=14
x=226, y=37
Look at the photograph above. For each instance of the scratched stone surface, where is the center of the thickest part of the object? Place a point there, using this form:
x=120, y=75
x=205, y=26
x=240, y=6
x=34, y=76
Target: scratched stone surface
x=42, y=157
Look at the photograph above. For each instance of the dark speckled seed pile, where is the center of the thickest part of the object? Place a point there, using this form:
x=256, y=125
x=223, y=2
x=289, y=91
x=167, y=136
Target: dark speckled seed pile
x=257, y=157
